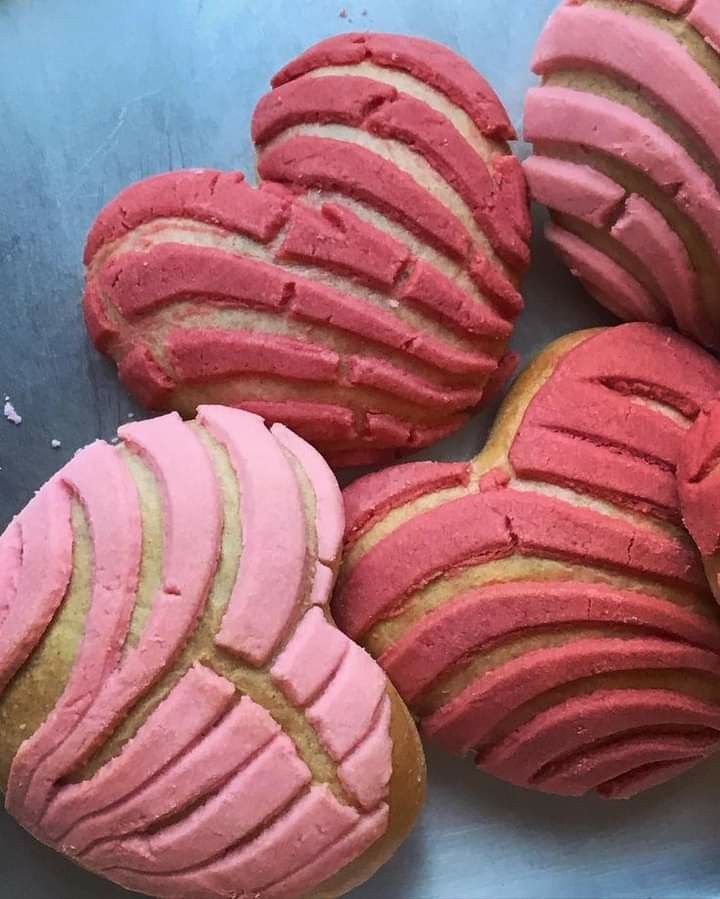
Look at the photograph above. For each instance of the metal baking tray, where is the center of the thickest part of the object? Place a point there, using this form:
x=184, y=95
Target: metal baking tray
x=95, y=94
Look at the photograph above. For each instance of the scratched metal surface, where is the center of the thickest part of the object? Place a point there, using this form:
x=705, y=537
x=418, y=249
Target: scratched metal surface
x=96, y=94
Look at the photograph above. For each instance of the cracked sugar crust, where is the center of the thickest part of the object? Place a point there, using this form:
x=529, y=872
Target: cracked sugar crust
x=542, y=607
x=364, y=292
x=627, y=155
x=698, y=486
x=177, y=709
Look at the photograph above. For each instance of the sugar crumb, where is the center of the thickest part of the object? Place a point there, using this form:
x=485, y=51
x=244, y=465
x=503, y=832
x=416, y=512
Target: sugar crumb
x=394, y=304
x=55, y=444
x=10, y=412
x=131, y=415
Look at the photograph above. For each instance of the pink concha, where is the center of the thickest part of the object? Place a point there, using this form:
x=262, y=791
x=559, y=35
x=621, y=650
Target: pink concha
x=364, y=293
x=211, y=732
x=542, y=607
x=627, y=156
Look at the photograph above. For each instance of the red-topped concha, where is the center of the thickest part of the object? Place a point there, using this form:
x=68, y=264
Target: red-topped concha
x=364, y=292
x=542, y=607
x=626, y=138
x=178, y=711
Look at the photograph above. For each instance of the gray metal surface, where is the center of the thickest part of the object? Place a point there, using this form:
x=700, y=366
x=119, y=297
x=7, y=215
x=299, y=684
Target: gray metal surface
x=95, y=94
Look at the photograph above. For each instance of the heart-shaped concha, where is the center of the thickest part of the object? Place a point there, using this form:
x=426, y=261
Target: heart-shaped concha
x=364, y=293
x=542, y=607
x=178, y=711
x=699, y=485
x=627, y=154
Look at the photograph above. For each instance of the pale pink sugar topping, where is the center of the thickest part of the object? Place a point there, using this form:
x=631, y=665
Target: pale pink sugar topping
x=180, y=807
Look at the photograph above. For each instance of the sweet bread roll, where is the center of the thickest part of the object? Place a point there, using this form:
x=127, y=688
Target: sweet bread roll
x=542, y=607
x=699, y=487
x=178, y=711
x=627, y=154
x=364, y=293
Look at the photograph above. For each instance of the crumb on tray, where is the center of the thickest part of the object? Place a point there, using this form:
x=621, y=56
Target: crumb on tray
x=10, y=412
